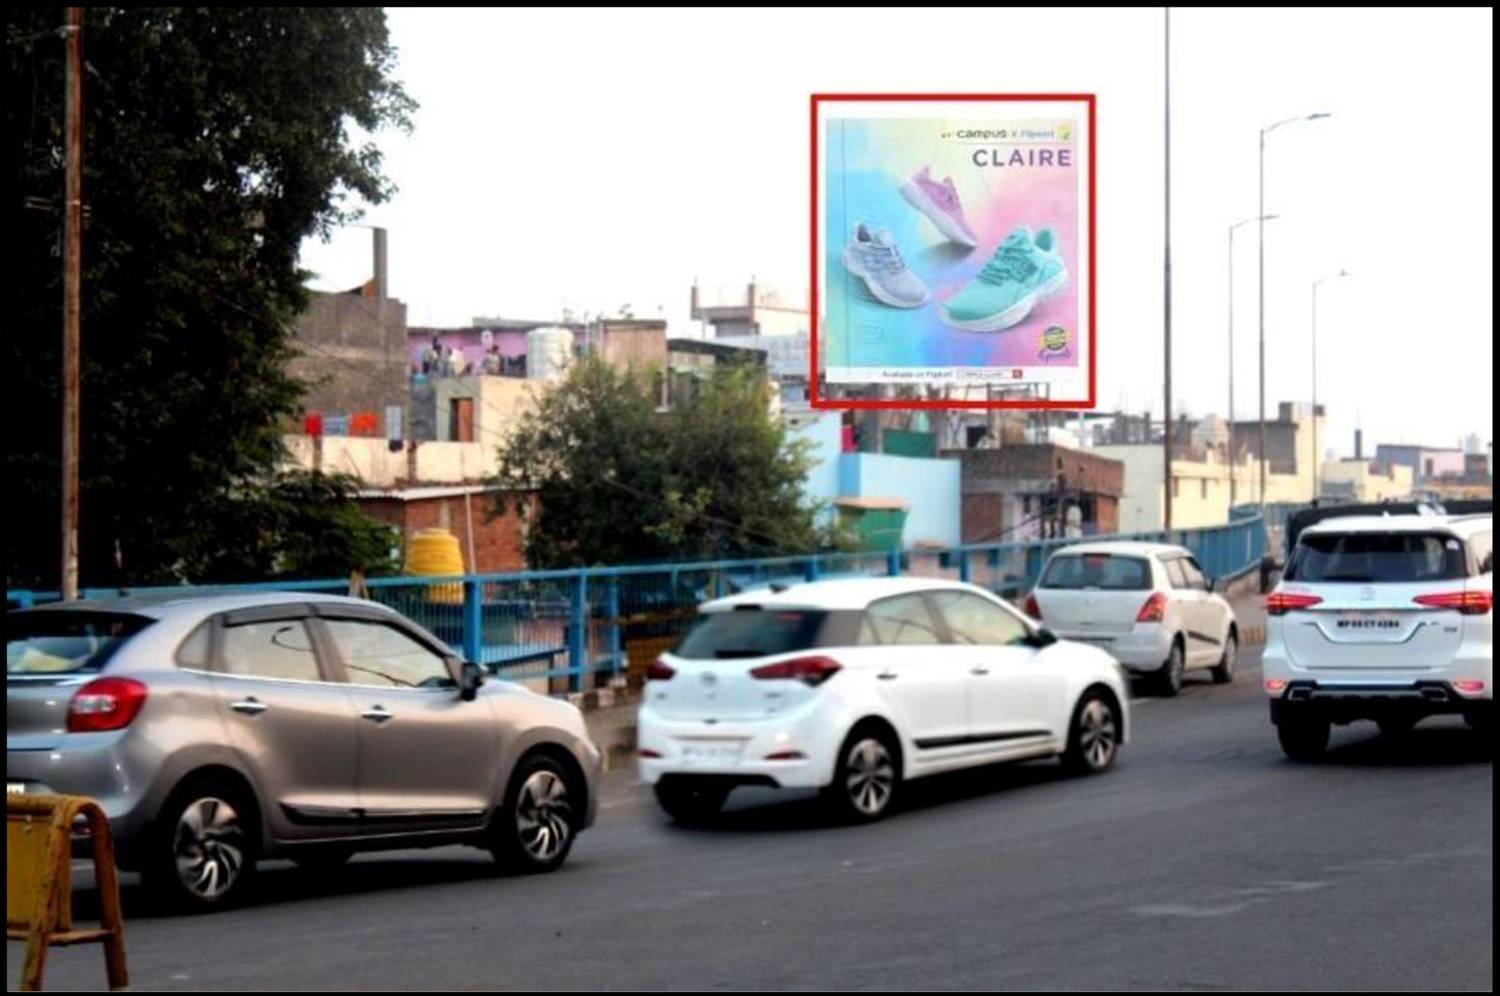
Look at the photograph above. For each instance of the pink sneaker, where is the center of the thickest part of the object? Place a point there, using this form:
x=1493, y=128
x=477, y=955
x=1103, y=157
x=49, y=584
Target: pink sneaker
x=939, y=202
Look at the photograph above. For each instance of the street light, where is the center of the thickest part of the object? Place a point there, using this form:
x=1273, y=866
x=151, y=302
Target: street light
x=1261, y=234
x=1316, y=462
x=1233, y=480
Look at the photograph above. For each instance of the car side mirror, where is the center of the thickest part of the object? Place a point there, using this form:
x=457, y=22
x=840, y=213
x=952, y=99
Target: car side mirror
x=1041, y=638
x=469, y=676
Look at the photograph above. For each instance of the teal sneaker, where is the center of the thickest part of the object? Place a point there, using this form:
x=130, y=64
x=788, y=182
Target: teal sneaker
x=1024, y=271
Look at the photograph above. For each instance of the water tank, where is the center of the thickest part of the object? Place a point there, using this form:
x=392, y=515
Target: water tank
x=435, y=552
x=549, y=353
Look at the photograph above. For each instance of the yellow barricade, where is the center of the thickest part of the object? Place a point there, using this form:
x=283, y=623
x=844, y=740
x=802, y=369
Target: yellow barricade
x=39, y=883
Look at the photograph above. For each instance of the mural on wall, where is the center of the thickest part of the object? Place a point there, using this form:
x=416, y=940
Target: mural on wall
x=466, y=352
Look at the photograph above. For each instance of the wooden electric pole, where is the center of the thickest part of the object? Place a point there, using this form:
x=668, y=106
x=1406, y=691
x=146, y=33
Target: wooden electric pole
x=72, y=278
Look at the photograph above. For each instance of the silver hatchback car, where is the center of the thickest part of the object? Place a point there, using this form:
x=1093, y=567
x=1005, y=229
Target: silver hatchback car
x=217, y=730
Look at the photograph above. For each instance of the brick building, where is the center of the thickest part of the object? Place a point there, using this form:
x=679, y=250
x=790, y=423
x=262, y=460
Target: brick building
x=499, y=543
x=1025, y=491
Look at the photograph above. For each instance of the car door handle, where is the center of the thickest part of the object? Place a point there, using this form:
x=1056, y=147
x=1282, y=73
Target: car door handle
x=250, y=707
x=379, y=714
x=887, y=676
x=979, y=669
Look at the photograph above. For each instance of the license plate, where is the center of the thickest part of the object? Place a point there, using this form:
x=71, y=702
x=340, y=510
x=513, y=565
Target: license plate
x=712, y=753
x=15, y=788
x=1370, y=627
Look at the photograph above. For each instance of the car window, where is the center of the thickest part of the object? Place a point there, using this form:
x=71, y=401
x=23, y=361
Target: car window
x=1175, y=573
x=1097, y=570
x=1482, y=548
x=49, y=642
x=194, y=651
x=1193, y=574
x=376, y=654
x=280, y=649
x=976, y=620
x=903, y=620
x=1366, y=558
x=753, y=631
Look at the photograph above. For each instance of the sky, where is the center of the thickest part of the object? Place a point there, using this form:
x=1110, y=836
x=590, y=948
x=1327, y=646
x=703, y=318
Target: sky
x=596, y=159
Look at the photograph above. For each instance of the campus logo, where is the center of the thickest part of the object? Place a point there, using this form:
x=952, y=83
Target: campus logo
x=1054, y=344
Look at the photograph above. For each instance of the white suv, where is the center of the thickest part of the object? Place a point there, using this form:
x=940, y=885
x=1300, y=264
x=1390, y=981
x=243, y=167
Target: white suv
x=854, y=686
x=1389, y=618
x=1148, y=604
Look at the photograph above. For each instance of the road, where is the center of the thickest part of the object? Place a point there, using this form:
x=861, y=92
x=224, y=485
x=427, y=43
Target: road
x=1203, y=861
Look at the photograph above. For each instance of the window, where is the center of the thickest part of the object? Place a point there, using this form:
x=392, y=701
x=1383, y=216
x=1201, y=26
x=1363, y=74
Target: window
x=65, y=642
x=1482, y=548
x=377, y=654
x=194, y=650
x=752, y=631
x=976, y=620
x=281, y=649
x=903, y=620
x=1193, y=574
x=1097, y=570
x=1366, y=558
x=1176, y=574
x=1203, y=488
x=1176, y=487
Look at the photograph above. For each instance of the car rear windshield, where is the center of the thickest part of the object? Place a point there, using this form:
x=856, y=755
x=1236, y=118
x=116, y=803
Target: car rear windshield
x=1365, y=558
x=66, y=642
x=757, y=632
x=1098, y=570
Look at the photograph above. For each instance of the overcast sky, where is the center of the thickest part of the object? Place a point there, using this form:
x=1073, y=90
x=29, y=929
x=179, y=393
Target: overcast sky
x=592, y=159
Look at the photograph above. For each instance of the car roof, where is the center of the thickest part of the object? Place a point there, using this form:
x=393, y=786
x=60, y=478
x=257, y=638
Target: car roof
x=1459, y=525
x=844, y=593
x=1133, y=548
x=168, y=604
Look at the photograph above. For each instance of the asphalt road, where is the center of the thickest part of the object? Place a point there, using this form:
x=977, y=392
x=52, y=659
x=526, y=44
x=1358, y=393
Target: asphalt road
x=1203, y=861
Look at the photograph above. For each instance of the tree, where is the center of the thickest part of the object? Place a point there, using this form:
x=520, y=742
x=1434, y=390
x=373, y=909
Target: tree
x=605, y=479
x=216, y=139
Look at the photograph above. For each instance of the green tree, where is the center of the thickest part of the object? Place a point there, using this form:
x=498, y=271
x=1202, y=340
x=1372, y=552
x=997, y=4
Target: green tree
x=606, y=479
x=216, y=139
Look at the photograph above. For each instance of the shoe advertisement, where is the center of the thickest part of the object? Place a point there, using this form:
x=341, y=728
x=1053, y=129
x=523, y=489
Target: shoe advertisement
x=952, y=245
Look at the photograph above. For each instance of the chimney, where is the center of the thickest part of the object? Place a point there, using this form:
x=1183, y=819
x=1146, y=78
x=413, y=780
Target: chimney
x=1359, y=444
x=380, y=265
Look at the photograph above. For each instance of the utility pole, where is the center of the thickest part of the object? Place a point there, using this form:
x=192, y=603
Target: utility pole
x=1167, y=284
x=72, y=278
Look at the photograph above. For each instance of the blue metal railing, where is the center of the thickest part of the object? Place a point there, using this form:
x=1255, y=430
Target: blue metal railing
x=567, y=628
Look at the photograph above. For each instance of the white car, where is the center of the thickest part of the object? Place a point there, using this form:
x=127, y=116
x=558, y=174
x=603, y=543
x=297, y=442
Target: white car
x=854, y=686
x=1389, y=618
x=1149, y=605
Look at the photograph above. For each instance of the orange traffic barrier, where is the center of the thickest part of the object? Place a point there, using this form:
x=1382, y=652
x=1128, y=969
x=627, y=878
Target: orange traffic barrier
x=39, y=883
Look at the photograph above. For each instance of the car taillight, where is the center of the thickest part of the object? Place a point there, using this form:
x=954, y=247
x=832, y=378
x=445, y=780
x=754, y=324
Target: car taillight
x=811, y=671
x=1468, y=686
x=105, y=704
x=1279, y=603
x=1275, y=686
x=658, y=670
x=1032, y=608
x=1468, y=603
x=1155, y=609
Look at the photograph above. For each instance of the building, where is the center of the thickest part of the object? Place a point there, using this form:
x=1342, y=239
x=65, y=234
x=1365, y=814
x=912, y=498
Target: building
x=1366, y=480
x=481, y=409
x=689, y=360
x=1426, y=462
x=1031, y=490
x=1290, y=448
x=638, y=342
x=864, y=489
x=749, y=309
x=489, y=544
x=351, y=352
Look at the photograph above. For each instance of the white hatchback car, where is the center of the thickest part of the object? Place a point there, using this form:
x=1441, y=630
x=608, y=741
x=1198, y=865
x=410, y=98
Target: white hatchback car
x=1148, y=604
x=853, y=686
x=1389, y=618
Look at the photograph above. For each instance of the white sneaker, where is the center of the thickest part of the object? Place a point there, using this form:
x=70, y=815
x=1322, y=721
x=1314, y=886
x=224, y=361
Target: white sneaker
x=874, y=258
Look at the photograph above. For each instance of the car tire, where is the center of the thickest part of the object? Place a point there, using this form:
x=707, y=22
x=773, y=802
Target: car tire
x=689, y=803
x=536, y=825
x=199, y=854
x=1303, y=738
x=1093, y=735
x=866, y=778
x=1223, y=672
x=1169, y=678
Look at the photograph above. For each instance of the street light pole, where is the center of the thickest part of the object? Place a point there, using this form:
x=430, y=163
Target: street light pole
x=1230, y=451
x=1316, y=463
x=72, y=302
x=1167, y=278
x=1261, y=233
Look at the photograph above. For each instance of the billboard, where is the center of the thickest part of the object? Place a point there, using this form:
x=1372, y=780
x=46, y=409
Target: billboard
x=953, y=250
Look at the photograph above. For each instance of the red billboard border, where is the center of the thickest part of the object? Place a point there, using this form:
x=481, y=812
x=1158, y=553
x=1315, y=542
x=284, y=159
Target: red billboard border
x=839, y=404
